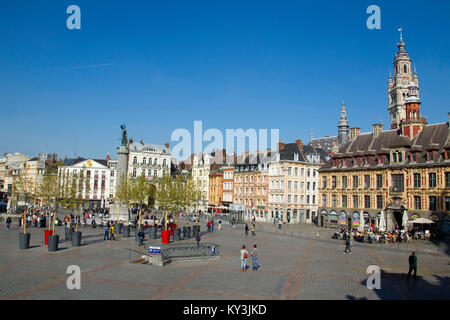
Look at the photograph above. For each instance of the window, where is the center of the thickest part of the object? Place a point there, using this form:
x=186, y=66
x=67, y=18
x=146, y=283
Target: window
x=314, y=186
x=289, y=171
x=307, y=199
x=432, y=203
x=417, y=202
x=296, y=171
x=344, y=182
x=344, y=201
x=366, y=181
x=355, y=202
x=367, y=202
x=333, y=201
x=355, y=182
x=379, y=181
x=430, y=156
x=309, y=172
x=447, y=179
x=313, y=199
x=447, y=203
x=324, y=182
x=308, y=185
x=397, y=183
x=417, y=182
x=135, y=160
x=295, y=199
x=324, y=200
x=134, y=172
x=144, y=160
x=432, y=179
x=333, y=182
x=379, y=202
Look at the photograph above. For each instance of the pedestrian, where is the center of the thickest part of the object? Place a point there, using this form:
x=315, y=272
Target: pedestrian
x=112, y=231
x=347, y=245
x=246, y=229
x=412, y=265
x=244, y=256
x=233, y=222
x=255, y=255
x=198, y=238
x=220, y=224
x=212, y=224
x=208, y=225
x=106, y=237
x=141, y=236
x=280, y=223
x=253, y=230
x=8, y=223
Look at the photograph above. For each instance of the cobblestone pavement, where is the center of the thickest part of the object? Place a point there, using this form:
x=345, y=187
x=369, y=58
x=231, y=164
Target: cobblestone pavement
x=292, y=267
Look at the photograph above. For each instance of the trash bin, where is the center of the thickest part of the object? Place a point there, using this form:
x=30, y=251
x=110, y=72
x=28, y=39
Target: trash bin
x=53, y=241
x=126, y=231
x=152, y=232
x=165, y=236
x=76, y=239
x=176, y=234
x=47, y=233
x=68, y=234
x=194, y=230
x=118, y=227
x=24, y=240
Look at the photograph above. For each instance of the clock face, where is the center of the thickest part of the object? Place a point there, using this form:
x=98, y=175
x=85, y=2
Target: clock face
x=89, y=163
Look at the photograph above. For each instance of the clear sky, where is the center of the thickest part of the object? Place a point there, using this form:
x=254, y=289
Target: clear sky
x=159, y=65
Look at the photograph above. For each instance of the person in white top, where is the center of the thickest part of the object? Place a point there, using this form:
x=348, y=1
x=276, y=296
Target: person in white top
x=244, y=256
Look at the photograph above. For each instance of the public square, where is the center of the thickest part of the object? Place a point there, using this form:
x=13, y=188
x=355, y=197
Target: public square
x=295, y=265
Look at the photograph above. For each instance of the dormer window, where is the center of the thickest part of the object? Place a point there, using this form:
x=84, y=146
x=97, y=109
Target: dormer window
x=430, y=155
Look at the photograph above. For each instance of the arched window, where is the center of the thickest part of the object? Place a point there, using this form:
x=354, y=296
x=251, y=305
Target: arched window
x=155, y=173
x=149, y=160
x=156, y=161
x=134, y=172
x=134, y=160
x=144, y=161
x=143, y=172
x=405, y=68
x=164, y=162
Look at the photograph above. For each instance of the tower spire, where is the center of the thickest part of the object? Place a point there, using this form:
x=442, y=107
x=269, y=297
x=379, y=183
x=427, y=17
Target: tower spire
x=343, y=126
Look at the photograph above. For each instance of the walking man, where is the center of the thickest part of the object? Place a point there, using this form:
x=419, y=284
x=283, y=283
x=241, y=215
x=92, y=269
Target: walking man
x=253, y=230
x=255, y=255
x=106, y=237
x=198, y=238
x=347, y=244
x=220, y=224
x=8, y=223
x=141, y=236
x=412, y=265
x=244, y=256
x=246, y=229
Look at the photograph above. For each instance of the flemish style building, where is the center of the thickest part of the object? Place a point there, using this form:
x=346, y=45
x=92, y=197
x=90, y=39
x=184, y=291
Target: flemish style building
x=399, y=174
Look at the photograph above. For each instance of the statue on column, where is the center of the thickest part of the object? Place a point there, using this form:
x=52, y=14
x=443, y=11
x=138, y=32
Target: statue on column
x=124, y=135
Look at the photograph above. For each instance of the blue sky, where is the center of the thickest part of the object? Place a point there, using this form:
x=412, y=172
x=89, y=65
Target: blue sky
x=159, y=65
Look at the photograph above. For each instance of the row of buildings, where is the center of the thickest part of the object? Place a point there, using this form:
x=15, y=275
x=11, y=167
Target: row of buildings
x=341, y=181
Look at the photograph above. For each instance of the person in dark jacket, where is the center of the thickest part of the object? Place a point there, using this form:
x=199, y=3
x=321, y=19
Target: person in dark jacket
x=246, y=229
x=412, y=265
x=141, y=236
x=347, y=245
x=198, y=238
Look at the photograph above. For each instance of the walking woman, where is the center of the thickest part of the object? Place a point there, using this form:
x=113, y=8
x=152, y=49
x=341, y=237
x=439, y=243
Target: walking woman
x=244, y=256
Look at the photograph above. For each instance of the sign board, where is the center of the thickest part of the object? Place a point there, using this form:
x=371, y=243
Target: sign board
x=237, y=207
x=154, y=250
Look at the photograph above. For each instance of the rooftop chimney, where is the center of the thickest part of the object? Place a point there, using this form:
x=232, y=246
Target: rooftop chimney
x=108, y=158
x=354, y=132
x=377, y=128
x=299, y=143
x=166, y=145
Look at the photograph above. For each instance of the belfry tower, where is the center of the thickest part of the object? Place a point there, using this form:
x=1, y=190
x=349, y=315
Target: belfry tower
x=398, y=87
x=343, y=126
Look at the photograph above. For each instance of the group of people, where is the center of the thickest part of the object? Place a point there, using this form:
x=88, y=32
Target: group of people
x=110, y=230
x=253, y=229
x=374, y=236
x=244, y=256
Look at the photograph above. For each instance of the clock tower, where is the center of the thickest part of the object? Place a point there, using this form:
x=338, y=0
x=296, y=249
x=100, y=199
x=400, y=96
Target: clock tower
x=398, y=87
